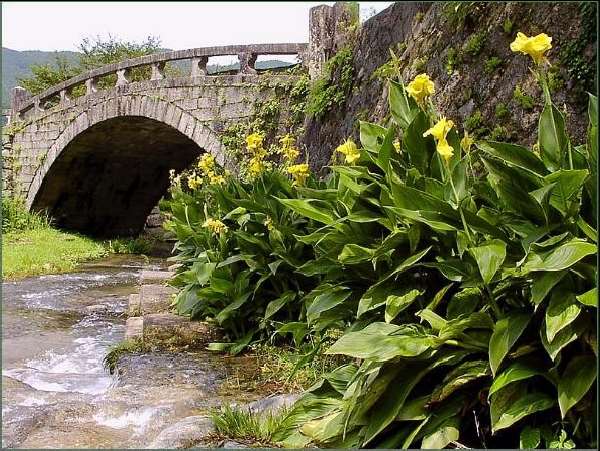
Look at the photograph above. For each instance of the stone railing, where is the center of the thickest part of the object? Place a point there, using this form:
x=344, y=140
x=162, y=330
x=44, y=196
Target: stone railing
x=247, y=55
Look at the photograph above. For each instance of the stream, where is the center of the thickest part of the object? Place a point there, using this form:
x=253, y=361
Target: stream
x=56, y=392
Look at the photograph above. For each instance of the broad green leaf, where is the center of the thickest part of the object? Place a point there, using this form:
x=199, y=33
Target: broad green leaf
x=529, y=438
x=578, y=377
x=563, y=338
x=305, y=208
x=445, y=434
x=561, y=257
x=543, y=283
x=203, y=271
x=515, y=372
x=589, y=298
x=463, y=303
x=327, y=300
x=275, y=305
x=489, y=257
x=562, y=311
x=515, y=155
x=400, y=106
x=552, y=137
x=567, y=184
x=394, y=304
x=419, y=149
x=392, y=400
x=371, y=135
x=381, y=342
x=415, y=409
x=353, y=253
x=458, y=377
x=297, y=329
x=514, y=403
x=506, y=333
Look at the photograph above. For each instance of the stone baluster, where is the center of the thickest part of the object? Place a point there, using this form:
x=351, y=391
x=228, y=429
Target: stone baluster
x=122, y=77
x=91, y=86
x=247, y=60
x=18, y=95
x=199, y=66
x=158, y=71
x=37, y=106
x=64, y=96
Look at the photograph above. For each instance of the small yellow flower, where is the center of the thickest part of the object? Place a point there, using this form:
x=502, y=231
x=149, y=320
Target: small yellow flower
x=349, y=149
x=269, y=224
x=300, y=173
x=215, y=226
x=194, y=181
x=206, y=163
x=420, y=88
x=397, y=145
x=287, y=141
x=439, y=132
x=534, y=46
x=536, y=149
x=256, y=167
x=466, y=142
x=254, y=141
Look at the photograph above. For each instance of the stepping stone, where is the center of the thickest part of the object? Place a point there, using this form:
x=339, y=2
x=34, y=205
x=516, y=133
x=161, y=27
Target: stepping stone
x=134, y=328
x=155, y=276
x=178, y=330
x=155, y=298
x=134, y=306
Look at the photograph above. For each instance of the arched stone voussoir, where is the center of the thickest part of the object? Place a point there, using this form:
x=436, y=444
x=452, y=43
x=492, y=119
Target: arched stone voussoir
x=131, y=105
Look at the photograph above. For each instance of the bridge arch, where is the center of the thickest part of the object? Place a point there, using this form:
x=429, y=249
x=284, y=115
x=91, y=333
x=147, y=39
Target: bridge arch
x=109, y=166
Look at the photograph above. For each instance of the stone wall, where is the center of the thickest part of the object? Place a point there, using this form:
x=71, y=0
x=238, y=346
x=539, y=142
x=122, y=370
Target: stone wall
x=426, y=35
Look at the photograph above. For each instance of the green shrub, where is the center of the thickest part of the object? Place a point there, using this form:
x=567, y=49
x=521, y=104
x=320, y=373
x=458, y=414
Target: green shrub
x=525, y=101
x=501, y=111
x=467, y=298
x=475, y=43
x=491, y=64
x=333, y=87
x=16, y=217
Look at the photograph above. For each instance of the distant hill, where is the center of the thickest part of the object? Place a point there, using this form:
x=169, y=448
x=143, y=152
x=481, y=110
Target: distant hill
x=17, y=63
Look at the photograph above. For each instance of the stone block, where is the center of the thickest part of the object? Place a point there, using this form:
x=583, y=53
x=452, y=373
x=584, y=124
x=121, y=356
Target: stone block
x=155, y=276
x=155, y=298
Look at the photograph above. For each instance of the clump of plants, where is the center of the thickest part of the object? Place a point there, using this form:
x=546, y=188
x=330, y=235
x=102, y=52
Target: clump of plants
x=333, y=87
x=524, y=100
x=461, y=272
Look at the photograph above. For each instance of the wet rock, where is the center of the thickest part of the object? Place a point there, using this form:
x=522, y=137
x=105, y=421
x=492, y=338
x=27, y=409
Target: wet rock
x=232, y=444
x=134, y=308
x=155, y=276
x=97, y=308
x=184, y=433
x=134, y=328
x=154, y=298
x=178, y=330
x=273, y=403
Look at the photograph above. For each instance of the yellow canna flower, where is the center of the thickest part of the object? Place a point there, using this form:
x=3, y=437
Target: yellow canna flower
x=466, y=142
x=206, y=163
x=300, y=173
x=349, y=149
x=535, y=46
x=439, y=132
x=256, y=167
x=254, y=141
x=396, y=144
x=287, y=141
x=194, y=181
x=445, y=149
x=420, y=88
x=215, y=226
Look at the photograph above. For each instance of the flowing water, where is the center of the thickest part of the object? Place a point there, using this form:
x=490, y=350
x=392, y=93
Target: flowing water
x=55, y=390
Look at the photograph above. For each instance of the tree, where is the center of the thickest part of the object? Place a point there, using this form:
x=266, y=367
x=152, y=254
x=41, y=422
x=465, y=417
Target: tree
x=95, y=52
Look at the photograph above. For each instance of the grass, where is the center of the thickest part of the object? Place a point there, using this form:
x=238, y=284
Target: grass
x=254, y=429
x=45, y=251
x=31, y=246
x=116, y=351
x=280, y=370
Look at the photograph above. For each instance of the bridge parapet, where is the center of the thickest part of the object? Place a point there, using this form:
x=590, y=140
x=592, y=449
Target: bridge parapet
x=198, y=57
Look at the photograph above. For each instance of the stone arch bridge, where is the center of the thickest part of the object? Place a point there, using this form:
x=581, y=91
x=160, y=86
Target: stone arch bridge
x=100, y=162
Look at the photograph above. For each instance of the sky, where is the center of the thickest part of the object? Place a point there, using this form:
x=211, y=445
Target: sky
x=179, y=25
